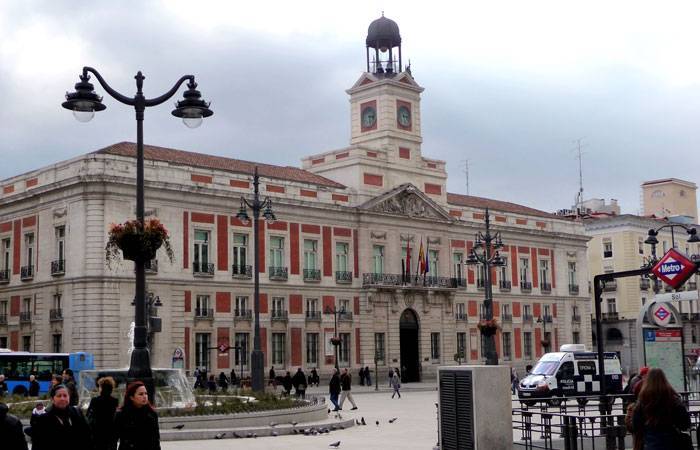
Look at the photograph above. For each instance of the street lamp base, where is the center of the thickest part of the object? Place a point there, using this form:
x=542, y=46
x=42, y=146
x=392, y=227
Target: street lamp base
x=257, y=371
x=140, y=370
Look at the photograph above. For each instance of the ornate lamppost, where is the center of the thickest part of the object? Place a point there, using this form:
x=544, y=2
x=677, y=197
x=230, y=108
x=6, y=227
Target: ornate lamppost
x=485, y=253
x=257, y=357
x=336, y=339
x=192, y=109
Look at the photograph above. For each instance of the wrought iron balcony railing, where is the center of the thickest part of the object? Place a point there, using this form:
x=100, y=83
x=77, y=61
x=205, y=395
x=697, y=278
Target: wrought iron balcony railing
x=151, y=266
x=58, y=267
x=525, y=286
x=242, y=314
x=56, y=315
x=506, y=318
x=346, y=316
x=278, y=314
x=313, y=316
x=610, y=316
x=461, y=317
x=610, y=285
x=480, y=283
x=547, y=318
x=27, y=272
x=239, y=271
x=25, y=317
x=5, y=276
x=527, y=318
x=504, y=285
x=460, y=281
x=312, y=275
x=342, y=276
x=203, y=269
x=204, y=313
x=573, y=289
x=278, y=273
x=396, y=280
x=545, y=287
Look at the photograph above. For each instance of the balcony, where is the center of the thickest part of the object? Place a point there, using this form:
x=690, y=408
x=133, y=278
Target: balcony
x=313, y=316
x=644, y=284
x=576, y=318
x=460, y=282
x=573, y=289
x=345, y=316
x=692, y=285
x=527, y=318
x=525, y=286
x=461, y=317
x=58, y=267
x=278, y=273
x=204, y=314
x=610, y=285
x=27, y=272
x=242, y=272
x=388, y=280
x=343, y=277
x=25, y=317
x=545, y=319
x=278, y=315
x=504, y=285
x=5, y=276
x=610, y=316
x=202, y=269
x=56, y=315
x=3, y=319
x=545, y=288
x=312, y=275
x=242, y=314
x=480, y=283
x=506, y=318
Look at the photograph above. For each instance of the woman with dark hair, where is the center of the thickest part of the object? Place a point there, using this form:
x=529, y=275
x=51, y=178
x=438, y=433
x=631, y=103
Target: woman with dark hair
x=62, y=426
x=136, y=423
x=659, y=415
x=100, y=416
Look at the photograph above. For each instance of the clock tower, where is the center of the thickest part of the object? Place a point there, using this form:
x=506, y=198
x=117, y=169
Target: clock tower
x=385, y=100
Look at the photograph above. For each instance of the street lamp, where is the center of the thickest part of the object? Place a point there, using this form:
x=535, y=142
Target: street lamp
x=544, y=320
x=336, y=312
x=84, y=102
x=257, y=357
x=485, y=253
x=653, y=241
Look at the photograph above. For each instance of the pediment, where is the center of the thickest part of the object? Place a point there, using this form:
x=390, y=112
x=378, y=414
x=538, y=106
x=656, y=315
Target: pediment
x=366, y=78
x=407, y=200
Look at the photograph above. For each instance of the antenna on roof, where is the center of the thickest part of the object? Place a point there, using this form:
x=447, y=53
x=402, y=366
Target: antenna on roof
x=579, y=195
x=465, y=167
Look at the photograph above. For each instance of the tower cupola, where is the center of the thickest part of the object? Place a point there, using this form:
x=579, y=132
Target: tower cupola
x=383, y=36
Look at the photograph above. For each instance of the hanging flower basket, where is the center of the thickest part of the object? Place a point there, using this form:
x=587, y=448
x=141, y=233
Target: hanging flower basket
x=488, y=327
x=136, y=241
x=335, y=341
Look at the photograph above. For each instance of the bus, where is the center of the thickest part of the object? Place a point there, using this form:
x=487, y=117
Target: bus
x=17, y=366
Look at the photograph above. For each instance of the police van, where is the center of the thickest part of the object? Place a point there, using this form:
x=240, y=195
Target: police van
x=570, y=372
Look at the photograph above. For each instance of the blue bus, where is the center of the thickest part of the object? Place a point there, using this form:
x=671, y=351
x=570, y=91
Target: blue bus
x=17, y=366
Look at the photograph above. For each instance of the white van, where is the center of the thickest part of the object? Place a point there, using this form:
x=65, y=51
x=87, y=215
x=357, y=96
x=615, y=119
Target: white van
x=570, y=372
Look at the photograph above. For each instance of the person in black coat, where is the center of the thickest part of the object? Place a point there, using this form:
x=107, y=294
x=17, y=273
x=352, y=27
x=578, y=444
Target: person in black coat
x=62, y=427
x=11, y=430
x=299, y=382
x=33, y=387
x=100, y=416
x=223, y=382
x=136, y=423
x=287, y=383
x=69, y=382
x=334, y=389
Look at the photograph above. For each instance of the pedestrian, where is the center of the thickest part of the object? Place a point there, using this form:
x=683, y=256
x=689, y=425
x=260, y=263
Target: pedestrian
x=390, y=375
x=38, y=410
x=136, y=423
x=272, y=381
x=211, y=384
x=334, y=389
x=234, y=378
x=11, y=430
x=315, y=379
x=287, y=384
x=513, y=380
x=345, y=386
x=659, y=416
x=223, y=382
x=3, y=386
x=528, y=369
x=33, y=386
x=100, y=415
x=396, y=384
x=63, y=427
x=299, y=382
x=637, y=382
x=362, y=376
x=197, y=379
x=368, y=376
x=69, y=382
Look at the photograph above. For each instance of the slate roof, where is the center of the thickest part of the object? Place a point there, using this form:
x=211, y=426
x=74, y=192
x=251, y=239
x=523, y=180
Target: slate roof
x=496, y=205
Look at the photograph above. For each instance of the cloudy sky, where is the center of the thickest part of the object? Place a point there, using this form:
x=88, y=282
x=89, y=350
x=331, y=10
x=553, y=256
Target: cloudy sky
x=509, y=86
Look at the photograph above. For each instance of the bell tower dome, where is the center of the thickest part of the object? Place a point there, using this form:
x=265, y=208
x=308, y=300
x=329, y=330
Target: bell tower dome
x=383, y=37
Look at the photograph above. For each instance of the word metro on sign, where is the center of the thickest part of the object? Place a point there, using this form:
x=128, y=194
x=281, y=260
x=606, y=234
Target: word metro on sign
x=674, y=268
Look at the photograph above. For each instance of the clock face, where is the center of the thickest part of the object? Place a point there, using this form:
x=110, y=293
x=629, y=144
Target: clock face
x=404, y=116
x=369, y=117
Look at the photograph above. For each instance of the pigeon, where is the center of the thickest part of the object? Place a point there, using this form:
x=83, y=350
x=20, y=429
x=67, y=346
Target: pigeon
x=179, y=427
x=357, y=422
x=335, y=444
x=329, y=410
x=236, y=435
x=273, y=424
x=295, y=431
x=363, y=421
x=393, y=420
x=249, y=435
x=377, y=423
x=274, y=433
x=220, y=435
x=294, y=423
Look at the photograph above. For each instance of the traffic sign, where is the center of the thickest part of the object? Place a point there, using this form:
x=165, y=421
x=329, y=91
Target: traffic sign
x=674, y=268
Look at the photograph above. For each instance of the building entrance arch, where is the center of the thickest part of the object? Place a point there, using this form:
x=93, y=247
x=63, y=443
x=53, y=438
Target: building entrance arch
x=409, y=331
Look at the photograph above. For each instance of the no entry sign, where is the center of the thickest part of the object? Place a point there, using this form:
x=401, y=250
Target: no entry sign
x=674, y=268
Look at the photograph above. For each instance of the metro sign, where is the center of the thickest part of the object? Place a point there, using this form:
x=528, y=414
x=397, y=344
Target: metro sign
x=662, y=314
x=674, y=268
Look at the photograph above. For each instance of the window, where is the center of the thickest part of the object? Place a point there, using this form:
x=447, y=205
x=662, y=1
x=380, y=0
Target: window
x=435, y=346
x=26, y=343
x=27, y=304
x=482, y=311
x=576, y=337
x=3, y=309
x=276, y=251
x=506, y=310
x=240, y=252
x=311, y=305
x=379, y=346
x=572, y=273
x=506, y=345
x=201, y=356
x=344, y=349
x=433, y=259
x=60, y=243
x=566, y=371
x=312, y=349
x=657, y=194
x=574, y=311
x=277, y=306
x=461, y=346
x=278, y=348
x=524, y=269
x=241, y=305
x=56, y=343
x=504, y=269
x=640, y=245
x=457, y=267
x=547, y=315
x=544, y=271
x=57, y=300
x=461, y=311
x=202, y=305
x=341, y=256
x=310, y=254
x=29, y=246
x=527, y=345
x=612, y=307
x=607, y=249
x=526, y=311
x=240, y=357
x=6, y=252
x=480, y=276
x=344, y=305
x=201, y=250
x=378, y=259
x=3, y=341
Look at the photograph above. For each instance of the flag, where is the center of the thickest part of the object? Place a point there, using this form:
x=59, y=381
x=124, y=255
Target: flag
x=421, y=259
x=427, y=258
x=408, y=259
x=403, y=271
